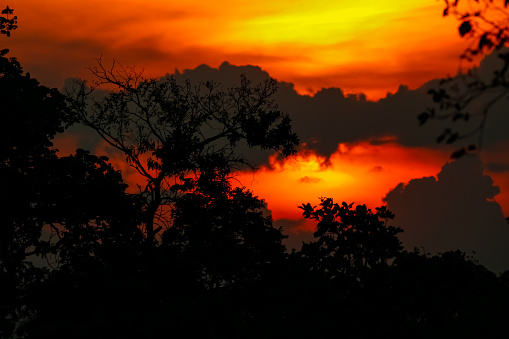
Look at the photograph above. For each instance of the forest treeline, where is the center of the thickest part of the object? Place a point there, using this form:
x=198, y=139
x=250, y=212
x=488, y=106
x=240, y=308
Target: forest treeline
x=188, y=254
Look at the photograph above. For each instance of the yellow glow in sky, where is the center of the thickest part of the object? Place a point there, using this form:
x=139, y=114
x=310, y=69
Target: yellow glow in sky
x=321, y=22
x=367, y=46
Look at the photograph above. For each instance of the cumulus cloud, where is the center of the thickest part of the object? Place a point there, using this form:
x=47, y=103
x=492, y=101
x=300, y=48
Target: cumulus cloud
x=455, y=210
x=330, y=117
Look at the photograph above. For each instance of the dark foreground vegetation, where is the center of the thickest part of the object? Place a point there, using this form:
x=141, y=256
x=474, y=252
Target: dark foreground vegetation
x=78, y=261
x=188, y=255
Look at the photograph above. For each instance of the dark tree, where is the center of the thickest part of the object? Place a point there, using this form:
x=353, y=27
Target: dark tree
x=31, y=116
x=351, y=241
x=215, y=248
x=359, y=283
x=448, y=295
x=468, y=96
x=177, y=136
x=92, y=245
x=88, y=213
x=224, y=235
x=74, y=211
x=69, y=213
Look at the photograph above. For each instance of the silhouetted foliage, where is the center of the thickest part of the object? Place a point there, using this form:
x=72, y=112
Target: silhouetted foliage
x=89, y=212
x=485, y=22
x=65, y=213
x=90, y=232
x=31, y=115
x=448, y=295
x=468, y=96
x=8, y=22
x=366, y=286
x=351, y=240
x=176, y=136
x=212, y=224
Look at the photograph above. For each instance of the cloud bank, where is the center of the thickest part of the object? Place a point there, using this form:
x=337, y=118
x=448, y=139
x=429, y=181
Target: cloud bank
x=331, y=117
x=455, y=210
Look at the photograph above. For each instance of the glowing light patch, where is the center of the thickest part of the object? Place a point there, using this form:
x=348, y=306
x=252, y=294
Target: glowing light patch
x=323, y=22
x=360, y=173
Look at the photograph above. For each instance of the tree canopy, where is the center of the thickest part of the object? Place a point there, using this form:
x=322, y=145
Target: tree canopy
x=181, y=136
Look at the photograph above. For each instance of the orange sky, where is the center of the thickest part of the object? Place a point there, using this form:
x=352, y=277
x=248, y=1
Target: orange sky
x=369, y=46
x=360, y=173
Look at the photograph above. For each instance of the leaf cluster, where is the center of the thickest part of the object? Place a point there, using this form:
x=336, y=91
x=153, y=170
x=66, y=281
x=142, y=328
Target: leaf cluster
x=469, y=97
x=485, y=22
x=180, y=136
x=351, y=239
x=8, y=22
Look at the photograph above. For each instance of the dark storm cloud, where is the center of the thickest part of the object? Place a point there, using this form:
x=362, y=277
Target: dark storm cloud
x=330, y=117
x=228, y=75
x=497, y=167
x=453, y=211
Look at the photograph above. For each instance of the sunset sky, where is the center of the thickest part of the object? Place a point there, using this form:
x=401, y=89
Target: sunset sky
x=369, y=46
x=320, y=51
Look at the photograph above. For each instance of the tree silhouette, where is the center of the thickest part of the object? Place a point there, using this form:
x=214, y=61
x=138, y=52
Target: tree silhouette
x=94, y=252
x=468, y=96
x=75, y=213
x=8, y=22
x=211, y=225
x=32, y=115
x=361, y=284
x=176, y=136
x=448, y=295
x=71, y=211
x=350, y=241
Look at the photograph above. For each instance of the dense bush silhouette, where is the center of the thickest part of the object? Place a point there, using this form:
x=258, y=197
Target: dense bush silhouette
x=352, y=240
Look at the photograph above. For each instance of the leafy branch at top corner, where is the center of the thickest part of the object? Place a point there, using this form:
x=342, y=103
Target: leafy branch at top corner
x=484, y=22
x=8, y=21
x=470, y=96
